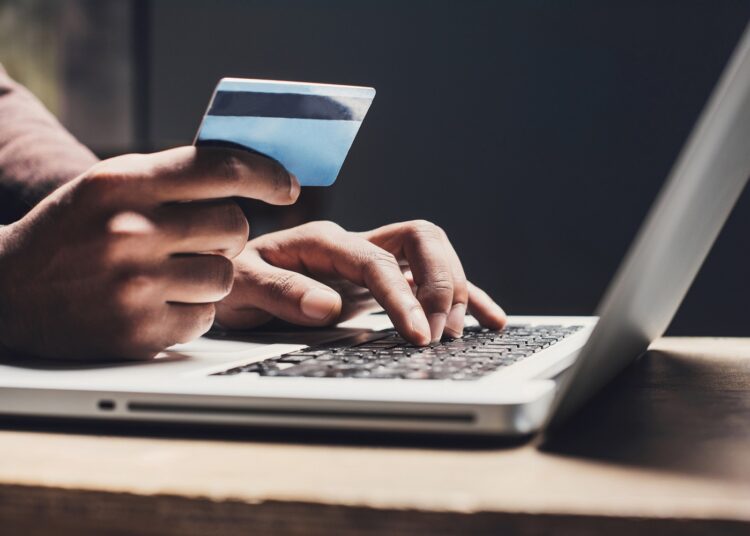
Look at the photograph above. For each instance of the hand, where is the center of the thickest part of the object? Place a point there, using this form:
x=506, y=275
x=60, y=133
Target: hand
x=319, y=274
x=131, y=257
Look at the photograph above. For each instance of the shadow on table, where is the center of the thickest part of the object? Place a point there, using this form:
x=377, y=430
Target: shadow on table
x=668, y=411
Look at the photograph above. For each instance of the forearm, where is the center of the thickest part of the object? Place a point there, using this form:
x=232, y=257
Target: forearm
x=37, y=154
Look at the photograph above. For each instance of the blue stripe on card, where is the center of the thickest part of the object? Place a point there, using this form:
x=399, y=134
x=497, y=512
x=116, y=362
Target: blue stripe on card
x=289, y=105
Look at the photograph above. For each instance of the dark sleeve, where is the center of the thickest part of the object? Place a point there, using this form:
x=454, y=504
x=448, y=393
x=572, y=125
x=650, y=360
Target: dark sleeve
x=37, y=154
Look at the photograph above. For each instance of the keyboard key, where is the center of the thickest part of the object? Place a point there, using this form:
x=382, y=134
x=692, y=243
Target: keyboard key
x=387, y=356
x=295, y=358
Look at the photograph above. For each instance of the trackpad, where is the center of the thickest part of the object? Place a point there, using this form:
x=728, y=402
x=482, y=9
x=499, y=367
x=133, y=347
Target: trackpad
x=220, y=342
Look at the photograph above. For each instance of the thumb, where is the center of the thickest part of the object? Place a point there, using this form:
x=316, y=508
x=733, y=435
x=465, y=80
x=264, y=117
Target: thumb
x=281, y=293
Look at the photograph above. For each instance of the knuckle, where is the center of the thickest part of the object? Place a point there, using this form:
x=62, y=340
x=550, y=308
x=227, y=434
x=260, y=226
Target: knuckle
x=209, y=314
x=232, y=167
x=236, y=224
x=226, y=164
x=129, y=223
x=132, y=288
x=102, y=181
x=204, y=319
x=423, y=229
x=281, y=181
x=222, y=274
x=114, y=169
x=113, y=250
x=323, y=227
x=460, y=290
x=280, y=286
x=441, y=279
x=437, y=289
x=123, y=237
x=195, y=322
x=95, y=183
x=237, y=166
x=235, y=219
x=379, y=259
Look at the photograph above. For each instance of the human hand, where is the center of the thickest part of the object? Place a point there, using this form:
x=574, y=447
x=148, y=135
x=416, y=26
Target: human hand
x=131, y=257
x=319, y=274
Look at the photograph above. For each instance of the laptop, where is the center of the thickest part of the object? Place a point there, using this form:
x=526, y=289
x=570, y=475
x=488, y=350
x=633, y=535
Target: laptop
x=530, y=376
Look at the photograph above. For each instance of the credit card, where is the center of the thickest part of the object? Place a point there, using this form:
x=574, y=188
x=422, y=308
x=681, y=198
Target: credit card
x=308, y=128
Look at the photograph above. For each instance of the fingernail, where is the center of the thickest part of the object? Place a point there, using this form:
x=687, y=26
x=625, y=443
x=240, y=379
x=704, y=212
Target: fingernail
x=294, y=186
x=318, y=303
x=419, y=324
x=455, y=324
x=437, y=324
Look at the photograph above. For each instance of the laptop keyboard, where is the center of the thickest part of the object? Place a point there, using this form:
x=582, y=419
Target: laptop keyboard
x=386, y=355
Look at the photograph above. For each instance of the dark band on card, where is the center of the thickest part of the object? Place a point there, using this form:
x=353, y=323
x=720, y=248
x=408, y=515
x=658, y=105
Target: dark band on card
x=289, y=105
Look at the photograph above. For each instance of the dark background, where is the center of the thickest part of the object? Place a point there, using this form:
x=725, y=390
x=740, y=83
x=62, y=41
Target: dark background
x=536, y=133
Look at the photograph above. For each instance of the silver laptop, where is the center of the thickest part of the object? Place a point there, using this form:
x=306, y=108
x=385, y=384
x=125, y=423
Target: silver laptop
x=530, y=376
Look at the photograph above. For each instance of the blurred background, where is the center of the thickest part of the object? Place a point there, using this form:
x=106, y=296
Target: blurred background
x=536, y=133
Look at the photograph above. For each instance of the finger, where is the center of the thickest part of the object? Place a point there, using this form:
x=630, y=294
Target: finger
x=196, y=278
x=365, y=264
x=456, y=318
x=410, y=279
x=484, y=309
x=282, y=293
x=158, y=328
x=327, y=250
x=185, y=322
x=191, y=173
x=421, y=244
x=202, y=227
x=454, y=326
x=356, y=300
x=239, y=318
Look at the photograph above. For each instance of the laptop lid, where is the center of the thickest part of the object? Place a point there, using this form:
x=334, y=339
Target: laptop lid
x=673, y=241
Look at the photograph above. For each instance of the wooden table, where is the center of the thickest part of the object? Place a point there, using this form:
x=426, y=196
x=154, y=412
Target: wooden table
x=665, y=450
